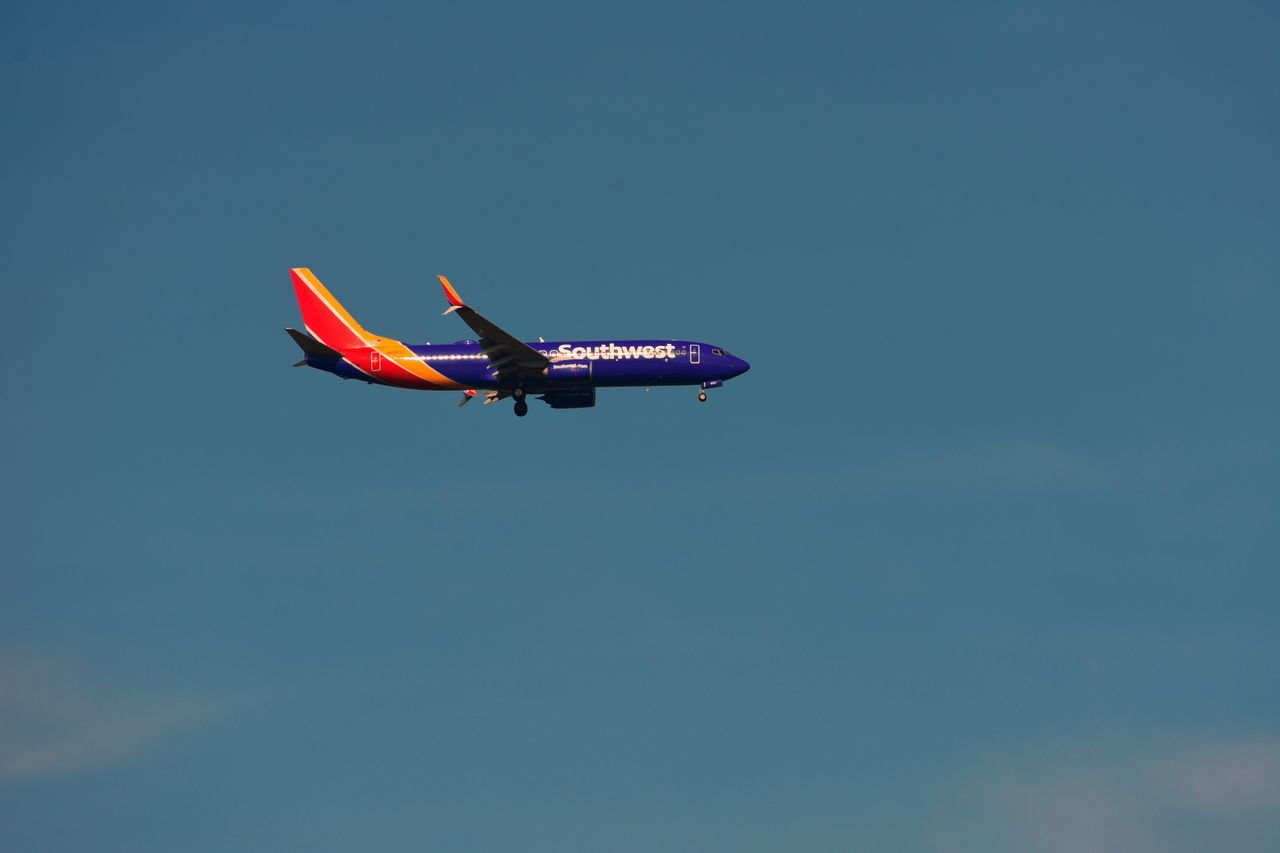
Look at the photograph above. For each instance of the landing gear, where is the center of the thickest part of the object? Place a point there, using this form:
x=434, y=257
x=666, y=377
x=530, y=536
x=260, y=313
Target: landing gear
x=702, y=396
x=522, y=407
x=518, y=393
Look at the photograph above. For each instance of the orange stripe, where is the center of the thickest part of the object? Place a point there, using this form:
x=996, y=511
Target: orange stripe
x=322, y=292
x=324, y=315
x=405, y=359
x=335, y=327
x=449, y=292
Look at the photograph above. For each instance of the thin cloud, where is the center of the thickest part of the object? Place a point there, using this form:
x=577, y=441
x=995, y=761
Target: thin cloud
x=1228, y=778
x=1121, y=797
x=1014, y=465
x=54, y=721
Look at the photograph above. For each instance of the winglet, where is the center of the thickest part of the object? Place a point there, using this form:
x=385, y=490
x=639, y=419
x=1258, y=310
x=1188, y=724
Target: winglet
x=449, y=293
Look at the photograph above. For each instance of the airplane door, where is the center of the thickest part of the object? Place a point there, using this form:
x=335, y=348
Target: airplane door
x=375, y=360
x=695, y=353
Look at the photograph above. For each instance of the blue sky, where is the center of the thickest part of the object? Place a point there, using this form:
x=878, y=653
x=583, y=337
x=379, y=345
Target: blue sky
x=979, y=556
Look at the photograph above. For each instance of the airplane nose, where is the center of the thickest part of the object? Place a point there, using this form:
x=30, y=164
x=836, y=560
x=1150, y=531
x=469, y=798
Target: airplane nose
x=740, y=367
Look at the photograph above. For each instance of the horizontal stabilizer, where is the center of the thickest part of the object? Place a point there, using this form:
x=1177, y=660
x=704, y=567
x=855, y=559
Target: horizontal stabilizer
x=312, y=348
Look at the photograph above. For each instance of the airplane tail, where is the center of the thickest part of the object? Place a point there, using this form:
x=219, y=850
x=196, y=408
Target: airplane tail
x=323, y=316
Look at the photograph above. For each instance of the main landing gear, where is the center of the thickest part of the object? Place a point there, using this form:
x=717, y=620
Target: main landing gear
x=522, y=405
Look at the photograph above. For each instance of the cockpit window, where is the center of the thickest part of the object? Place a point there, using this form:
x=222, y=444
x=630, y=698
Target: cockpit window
x=719, y=352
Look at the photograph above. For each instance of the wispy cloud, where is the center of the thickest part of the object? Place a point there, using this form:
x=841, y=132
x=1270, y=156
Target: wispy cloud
x=1229, y=778
x=1122, y=797
x=1011, y=465
x=54, y=719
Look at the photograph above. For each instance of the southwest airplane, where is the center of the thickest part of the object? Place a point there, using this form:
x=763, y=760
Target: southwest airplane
x=564, y=374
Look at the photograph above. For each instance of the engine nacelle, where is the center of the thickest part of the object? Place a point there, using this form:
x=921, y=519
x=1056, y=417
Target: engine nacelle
x=568, y=372
x=571, y=398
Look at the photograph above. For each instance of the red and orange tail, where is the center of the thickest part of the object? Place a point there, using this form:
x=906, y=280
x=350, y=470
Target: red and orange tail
x=324, y=316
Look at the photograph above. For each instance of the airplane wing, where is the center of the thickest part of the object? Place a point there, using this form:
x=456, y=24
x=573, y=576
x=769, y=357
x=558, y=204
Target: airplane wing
x=509, y=356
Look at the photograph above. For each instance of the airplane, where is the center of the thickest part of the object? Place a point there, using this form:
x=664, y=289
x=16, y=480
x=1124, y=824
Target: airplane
x=498, y=365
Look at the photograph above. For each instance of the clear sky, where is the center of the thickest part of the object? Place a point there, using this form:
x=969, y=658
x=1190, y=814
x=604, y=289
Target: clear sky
x=980, y=556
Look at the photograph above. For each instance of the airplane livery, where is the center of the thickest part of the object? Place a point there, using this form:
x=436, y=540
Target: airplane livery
x=497, y=365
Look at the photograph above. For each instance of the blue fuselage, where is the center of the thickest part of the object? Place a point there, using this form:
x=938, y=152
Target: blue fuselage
x=598, y=364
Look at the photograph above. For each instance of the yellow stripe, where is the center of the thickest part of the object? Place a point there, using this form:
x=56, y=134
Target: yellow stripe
x=405, y=358
x=334, y=305
x=400, y=354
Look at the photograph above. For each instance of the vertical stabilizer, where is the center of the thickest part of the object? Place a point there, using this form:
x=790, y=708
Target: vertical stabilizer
x=324, y=316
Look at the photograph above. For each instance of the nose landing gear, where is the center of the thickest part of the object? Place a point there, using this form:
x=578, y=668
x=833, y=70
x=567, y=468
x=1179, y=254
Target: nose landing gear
x=702, y=396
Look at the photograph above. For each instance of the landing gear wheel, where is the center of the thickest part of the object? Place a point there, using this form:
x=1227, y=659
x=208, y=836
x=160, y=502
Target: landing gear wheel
x=702, y=396
x=518, y=393
x=522, y=408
